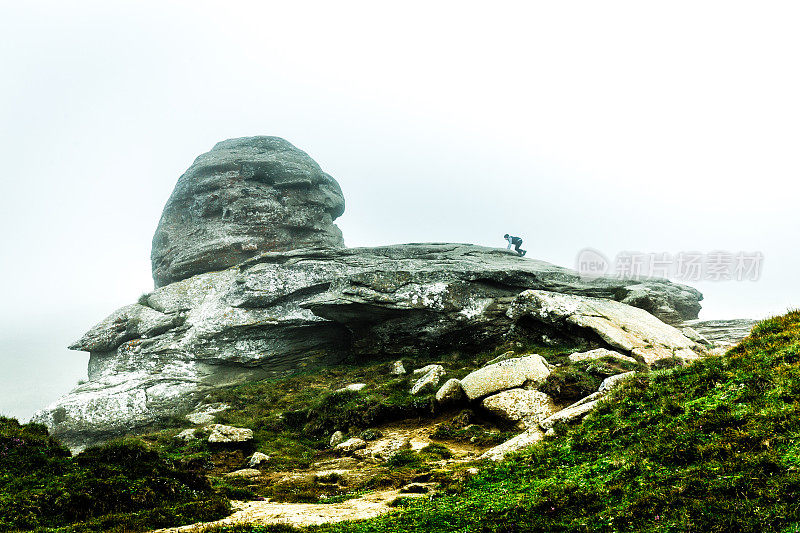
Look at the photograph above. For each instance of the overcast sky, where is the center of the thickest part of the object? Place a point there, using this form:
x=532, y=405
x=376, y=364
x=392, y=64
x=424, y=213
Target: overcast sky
x=660, y=127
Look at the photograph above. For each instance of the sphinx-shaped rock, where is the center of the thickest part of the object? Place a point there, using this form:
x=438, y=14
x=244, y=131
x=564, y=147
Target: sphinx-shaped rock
x=244, y=197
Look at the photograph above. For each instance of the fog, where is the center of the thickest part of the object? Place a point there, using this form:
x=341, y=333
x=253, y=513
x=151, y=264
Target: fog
x=620, y=126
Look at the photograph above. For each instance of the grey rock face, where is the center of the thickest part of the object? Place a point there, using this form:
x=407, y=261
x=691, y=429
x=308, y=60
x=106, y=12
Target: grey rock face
x=431, y=375
x=722, y=332
x=161, y=356
x=521, y=441
x=450, y=392
x=222, y=434
x=505, y=375
x=628, y=329
x=244, y=197
x=514, y=405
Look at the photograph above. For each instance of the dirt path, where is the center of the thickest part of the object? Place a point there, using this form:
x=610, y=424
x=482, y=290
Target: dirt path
x=415, y=435
x=301, y=514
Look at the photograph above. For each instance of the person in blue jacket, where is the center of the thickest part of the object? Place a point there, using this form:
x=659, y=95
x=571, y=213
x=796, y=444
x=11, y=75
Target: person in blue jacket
x=516, y=242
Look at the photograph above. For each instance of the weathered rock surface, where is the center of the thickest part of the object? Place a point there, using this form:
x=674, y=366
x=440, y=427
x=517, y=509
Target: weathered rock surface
x=222, y=434
x=450, y=392
x=350, y=445
x=722, y=332
x=628, y=329
x=268, y=315
x=431, y=375
x=256, y=459
x=336, y=439
x=514, y=405
x=573, y=412
x=523, y=440
x=244, y=197
x=504, y=375
x=599, y=353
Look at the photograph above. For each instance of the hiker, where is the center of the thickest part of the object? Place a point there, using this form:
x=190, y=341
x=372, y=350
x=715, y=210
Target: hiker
x=516, y=242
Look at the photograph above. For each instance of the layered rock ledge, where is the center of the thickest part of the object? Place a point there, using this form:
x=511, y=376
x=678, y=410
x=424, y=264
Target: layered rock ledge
x=158, y=357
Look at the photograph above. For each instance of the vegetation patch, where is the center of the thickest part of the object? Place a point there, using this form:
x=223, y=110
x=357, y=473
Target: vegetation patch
x=713, y=446
x=121, y=486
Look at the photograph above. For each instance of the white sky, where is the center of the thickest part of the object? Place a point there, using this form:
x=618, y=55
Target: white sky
x=655, y=127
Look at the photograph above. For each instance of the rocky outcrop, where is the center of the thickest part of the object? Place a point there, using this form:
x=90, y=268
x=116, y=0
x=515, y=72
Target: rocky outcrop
x=159, y=357
x=252, y=282
x=244, y=197
x=722, y=332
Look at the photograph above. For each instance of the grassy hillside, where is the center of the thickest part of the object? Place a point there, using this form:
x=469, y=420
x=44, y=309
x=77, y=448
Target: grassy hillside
x=714, y=446
x=116, y=487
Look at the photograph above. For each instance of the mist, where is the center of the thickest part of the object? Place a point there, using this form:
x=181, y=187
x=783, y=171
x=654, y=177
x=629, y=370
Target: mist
x=625, y=126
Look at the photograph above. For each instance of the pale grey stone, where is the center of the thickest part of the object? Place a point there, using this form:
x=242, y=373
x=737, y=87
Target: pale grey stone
x=521, y=441
x=221, y=434
x=514, y=405
x=573, y=412
x=506, y=374
x=350, y=445
x=247, y=473
x=611, y=382
x=629, y=329
x=336, y=439
x=256, y=459
x=429, y=381
x=450, y=392
x=245, y=196
x=187, y=435
x=599, y=353
x=398, y=369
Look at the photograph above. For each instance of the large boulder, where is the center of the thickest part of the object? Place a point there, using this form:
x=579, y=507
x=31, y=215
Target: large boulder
x=628, y=329
x=515, y=405
x=504, y=375
x=244, y=197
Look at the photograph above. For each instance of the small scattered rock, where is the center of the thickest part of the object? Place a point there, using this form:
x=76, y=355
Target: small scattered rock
x=187, y=435
x=398, y=369
x=599, y=353
x=612, y=382
x=228, y=434
x=371, y=434
x=257, y=458
x=450, y=392
x=573, y=412
x=336, y=439
x=426, y=369
x=351, y=445
x=504, y=375
x=430, y=379
x=353, y=387
x=205, y=413
x=523, y=440
x=245, y=473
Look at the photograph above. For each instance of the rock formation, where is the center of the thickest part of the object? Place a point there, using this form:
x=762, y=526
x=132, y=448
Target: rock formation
x=252, y=281
x=244, y=197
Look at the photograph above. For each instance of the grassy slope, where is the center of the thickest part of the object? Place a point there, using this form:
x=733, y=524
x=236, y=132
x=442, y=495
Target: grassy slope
x=116, y=487
x=714, y=446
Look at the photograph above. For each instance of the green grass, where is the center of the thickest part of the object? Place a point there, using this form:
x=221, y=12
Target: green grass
x=120, y=486
x=713, y=446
